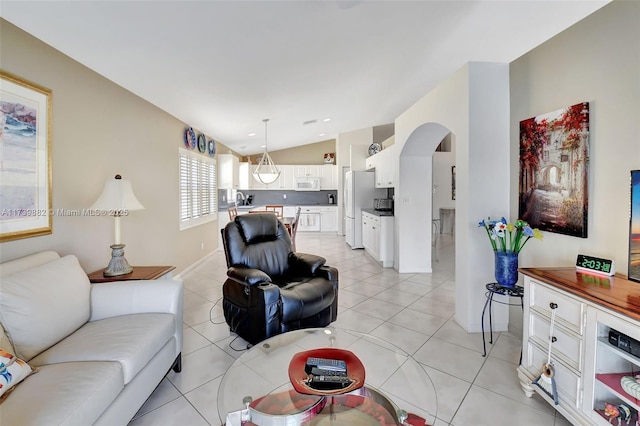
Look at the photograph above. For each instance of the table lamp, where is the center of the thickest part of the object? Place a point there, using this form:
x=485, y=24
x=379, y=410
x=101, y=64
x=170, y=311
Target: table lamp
x=116, y=200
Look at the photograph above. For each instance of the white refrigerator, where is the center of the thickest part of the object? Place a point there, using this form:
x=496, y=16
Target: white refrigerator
x=359, y=192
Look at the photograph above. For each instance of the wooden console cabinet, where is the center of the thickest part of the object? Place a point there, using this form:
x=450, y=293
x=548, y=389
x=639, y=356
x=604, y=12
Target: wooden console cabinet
x=587, y=367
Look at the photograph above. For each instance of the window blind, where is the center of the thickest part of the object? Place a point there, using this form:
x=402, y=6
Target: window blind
x=198, y=189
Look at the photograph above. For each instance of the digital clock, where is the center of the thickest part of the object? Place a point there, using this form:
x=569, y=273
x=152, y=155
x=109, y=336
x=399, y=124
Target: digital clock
x=596, y=265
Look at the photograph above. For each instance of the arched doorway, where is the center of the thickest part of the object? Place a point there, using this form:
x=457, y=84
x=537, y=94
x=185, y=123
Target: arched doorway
x=414, y=198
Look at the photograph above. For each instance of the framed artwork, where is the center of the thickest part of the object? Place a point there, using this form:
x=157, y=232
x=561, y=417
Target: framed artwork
x=453, y=182
x=634, y=228
x=554, y=170
x=25, y=159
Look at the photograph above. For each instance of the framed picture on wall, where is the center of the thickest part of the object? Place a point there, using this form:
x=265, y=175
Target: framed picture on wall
x=554, y=170
x=25, y=159
x=634, y=228
x=453, y=182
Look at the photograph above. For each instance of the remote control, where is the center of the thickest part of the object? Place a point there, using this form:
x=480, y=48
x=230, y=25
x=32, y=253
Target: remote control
x=329, y=382
x=319, y=372
x=326, y=364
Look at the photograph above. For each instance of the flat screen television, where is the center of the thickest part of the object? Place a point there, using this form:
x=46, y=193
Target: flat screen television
x=634, y=228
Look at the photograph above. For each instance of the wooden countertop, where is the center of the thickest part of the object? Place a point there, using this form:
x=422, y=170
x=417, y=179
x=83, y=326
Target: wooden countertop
x=616, y=293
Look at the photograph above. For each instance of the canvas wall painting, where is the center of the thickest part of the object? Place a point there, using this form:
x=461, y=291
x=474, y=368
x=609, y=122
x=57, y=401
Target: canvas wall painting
x=554, y=170
x=25, y=159
x=634, y=228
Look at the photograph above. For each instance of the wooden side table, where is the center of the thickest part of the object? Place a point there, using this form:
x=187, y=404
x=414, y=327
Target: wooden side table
x=138, y=273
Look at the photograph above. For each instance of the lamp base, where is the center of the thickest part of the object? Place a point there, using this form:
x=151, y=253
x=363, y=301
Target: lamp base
x=118, y=265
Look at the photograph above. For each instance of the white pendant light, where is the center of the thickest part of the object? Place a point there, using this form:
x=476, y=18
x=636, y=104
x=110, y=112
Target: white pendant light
x=266, y=172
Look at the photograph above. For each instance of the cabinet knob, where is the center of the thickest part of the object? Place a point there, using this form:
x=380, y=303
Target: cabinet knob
x=553, y=305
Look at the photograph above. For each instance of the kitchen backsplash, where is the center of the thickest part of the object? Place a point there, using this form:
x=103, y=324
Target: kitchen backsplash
x=260, y=198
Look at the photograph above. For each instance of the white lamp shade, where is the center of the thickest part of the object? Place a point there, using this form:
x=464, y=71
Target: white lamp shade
x=117, y=196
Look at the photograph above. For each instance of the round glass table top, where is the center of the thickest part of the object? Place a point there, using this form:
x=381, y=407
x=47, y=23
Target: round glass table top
x=395, y=386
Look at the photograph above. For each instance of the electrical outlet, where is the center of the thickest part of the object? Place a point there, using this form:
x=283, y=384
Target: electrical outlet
x=284, y=196
x=201, y=246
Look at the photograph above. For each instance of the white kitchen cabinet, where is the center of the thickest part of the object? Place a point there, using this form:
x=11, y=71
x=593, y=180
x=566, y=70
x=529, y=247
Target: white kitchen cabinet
x=370, y=162
x=307, y=171
x=587, y=368
x=286, y=181
x=385, y=168
x=228, y=174
x=328, y=177
x=377, y=237
x=328, y=219
x=384, y=164
x=244, y=176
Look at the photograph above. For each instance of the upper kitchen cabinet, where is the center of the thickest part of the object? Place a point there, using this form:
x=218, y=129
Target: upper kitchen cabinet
x=244, y=175
x=328, y=177
x=307, y=171
x=386, y=168
x=286, y=181
x=384, y=164
x=228, y=173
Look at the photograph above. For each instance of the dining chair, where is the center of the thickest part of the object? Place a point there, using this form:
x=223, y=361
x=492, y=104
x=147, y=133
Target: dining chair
x=294, y=229
x=233, y=212
x=277, y=208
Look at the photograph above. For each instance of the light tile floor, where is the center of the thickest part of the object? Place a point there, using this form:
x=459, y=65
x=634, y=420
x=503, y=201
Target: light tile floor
x=413, y=310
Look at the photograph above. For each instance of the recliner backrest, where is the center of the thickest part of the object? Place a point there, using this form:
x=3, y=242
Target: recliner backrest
x=258, y=241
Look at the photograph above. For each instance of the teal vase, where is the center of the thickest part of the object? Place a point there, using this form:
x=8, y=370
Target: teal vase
x=506, y=268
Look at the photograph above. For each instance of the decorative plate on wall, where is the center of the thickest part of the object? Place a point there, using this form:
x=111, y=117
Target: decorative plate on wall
x=212, y=148
x=374, y=148
x=190, y=138
x=202, y=143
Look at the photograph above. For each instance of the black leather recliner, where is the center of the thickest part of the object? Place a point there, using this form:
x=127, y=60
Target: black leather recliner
x=271, y=289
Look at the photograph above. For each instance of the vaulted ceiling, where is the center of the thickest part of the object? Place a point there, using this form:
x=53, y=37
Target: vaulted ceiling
x=224, y=66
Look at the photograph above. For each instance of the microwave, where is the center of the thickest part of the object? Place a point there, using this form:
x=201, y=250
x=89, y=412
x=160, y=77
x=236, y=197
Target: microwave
x=383, y=204
x=307, y=184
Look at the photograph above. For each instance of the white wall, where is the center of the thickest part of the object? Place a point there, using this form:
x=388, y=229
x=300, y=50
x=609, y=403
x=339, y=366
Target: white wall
x=473, y=104
x=597, y=60
x=100, y=129
x=442, y=162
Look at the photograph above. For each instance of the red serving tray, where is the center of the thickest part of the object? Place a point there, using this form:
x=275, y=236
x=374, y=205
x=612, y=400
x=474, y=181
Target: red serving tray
x=298, y=377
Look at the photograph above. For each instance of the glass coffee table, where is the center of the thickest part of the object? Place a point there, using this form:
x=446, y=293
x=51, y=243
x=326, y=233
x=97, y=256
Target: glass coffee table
x=397, y=389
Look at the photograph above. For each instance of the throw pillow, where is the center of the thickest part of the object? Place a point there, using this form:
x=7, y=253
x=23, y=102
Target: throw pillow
x=44, y=304
x=12, y=371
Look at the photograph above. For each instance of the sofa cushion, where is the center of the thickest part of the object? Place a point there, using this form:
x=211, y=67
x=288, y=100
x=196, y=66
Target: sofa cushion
x=43, y=305
x=73, y=393
x=131, y=340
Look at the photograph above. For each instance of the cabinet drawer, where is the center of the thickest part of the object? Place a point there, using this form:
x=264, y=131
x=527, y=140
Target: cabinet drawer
x=570, y=312
x=568, y=383
x=567, y=347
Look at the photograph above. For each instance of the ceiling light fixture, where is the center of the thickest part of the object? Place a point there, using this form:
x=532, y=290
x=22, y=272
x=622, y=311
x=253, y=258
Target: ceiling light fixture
x=266, y=172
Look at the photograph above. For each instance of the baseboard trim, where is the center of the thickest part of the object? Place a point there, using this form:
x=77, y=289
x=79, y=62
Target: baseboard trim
x=194, y=265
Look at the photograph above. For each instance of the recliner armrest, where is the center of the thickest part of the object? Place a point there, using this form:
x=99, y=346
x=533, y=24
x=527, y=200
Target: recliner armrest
x=305, y=264
x=248, y=276
x=327, y=272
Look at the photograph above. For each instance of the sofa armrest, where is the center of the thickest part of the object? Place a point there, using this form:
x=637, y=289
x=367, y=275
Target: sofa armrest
x=136, y=297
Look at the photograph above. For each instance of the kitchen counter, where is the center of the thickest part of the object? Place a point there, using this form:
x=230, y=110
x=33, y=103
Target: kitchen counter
x=257, y=206
x=377, y=213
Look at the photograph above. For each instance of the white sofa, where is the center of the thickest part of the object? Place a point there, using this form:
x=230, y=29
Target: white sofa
x=100, y=349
